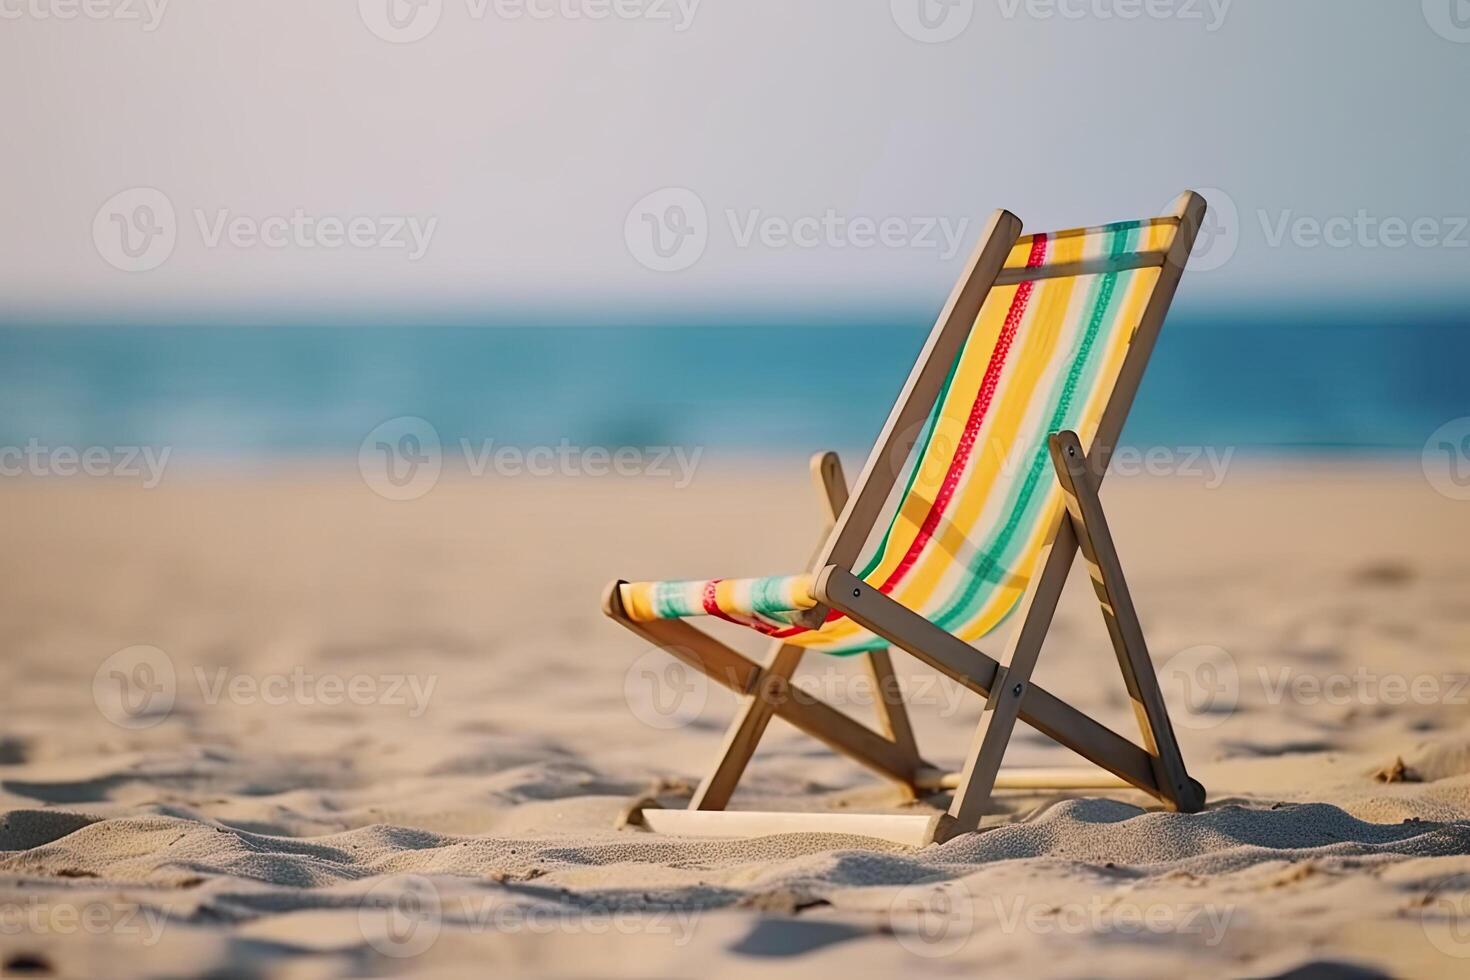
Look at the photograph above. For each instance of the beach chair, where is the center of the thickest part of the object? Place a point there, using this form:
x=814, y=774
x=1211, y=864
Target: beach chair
x=979, y=493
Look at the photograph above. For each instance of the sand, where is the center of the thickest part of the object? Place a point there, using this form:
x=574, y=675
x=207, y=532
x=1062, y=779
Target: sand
x=371, y=737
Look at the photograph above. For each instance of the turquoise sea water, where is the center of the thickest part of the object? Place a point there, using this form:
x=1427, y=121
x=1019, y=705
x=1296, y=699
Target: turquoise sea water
x=1307, y=380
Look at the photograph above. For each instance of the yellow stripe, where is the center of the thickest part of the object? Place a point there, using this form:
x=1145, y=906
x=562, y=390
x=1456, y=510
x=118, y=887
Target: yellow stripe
x=1033, y=365
x=1005, y=597
x=950, y=425
x=638, y=601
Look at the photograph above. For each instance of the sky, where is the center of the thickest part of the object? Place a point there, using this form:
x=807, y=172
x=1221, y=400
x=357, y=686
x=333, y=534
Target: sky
x=422, y=159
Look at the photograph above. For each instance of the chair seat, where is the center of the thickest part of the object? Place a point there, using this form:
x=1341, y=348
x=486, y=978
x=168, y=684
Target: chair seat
x=766, y=605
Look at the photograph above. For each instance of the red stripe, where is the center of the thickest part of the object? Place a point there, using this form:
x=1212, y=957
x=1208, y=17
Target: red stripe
x=978, y=411
x=707, y=599
x=712, y=606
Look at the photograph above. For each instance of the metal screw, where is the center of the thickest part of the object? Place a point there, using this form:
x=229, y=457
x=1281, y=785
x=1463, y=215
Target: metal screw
x=1016, y=690
x=1071, y=450
x=856, y=593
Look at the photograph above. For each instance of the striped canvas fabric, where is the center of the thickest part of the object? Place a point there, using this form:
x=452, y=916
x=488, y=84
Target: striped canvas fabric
x=980, y=495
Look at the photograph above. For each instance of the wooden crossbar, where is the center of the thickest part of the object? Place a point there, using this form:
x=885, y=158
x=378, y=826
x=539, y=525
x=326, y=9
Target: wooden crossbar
x=1087, y=267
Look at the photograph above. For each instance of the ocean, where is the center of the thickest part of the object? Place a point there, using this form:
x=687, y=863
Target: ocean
x=1307, y=380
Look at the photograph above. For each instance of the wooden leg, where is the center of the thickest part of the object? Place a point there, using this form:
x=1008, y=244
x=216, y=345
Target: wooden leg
x=893, y=716
x=1085, y=511
x=1013, y=680
x=1040, y=709
x=739, y=673
x=745, y=732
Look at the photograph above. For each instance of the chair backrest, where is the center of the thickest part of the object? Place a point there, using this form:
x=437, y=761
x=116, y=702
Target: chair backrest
x=1059, y=342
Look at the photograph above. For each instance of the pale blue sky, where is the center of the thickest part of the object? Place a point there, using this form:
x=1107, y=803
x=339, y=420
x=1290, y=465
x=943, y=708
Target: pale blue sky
x=518, y=144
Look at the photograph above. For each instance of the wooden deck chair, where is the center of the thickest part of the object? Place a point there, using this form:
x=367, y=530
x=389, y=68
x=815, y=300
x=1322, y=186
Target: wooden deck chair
x=980, y=491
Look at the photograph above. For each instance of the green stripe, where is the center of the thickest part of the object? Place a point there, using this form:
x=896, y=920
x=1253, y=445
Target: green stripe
x=986, y=569
x=990, y=569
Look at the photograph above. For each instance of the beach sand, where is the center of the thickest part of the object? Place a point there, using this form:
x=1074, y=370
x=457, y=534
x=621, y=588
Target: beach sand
x=368, y=737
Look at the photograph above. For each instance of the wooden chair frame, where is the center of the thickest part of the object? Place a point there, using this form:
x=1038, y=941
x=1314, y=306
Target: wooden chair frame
x=1157, y=767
